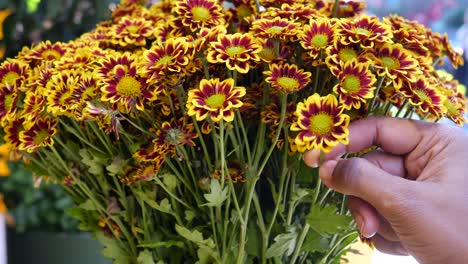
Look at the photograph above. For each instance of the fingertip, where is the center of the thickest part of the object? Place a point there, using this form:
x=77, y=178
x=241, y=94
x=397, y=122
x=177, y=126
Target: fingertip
x=312, y=158
x=326, y=171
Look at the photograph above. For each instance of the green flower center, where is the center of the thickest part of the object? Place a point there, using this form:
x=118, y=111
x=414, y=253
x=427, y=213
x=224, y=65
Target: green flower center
x=129, y=87
x=164, y=60
x=351, y=83
x=40, y=137
x=423, y=96
x=267, y=54
x=9, y=100
x=244, y=11
x=51, y=55
x=391, y=63
x=10, y=78
x=201, y=13
x=451, y=108
x=362, y=31
x=275, y=30
x=347, y=54
x=321, y=124
x=216, y=100
x=132, y=29
x=288, y=83
x=320, y=40
x=234, y=50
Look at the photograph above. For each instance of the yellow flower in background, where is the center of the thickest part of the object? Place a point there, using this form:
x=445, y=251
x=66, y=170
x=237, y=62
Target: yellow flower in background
x=3, y=15
x=4, y=157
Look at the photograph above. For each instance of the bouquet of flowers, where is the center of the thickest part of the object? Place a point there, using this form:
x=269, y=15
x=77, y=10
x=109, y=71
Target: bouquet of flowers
x=178, y=128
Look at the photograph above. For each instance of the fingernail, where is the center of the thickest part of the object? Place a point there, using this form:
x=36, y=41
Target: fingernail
x=311, y=158
x=326, y=170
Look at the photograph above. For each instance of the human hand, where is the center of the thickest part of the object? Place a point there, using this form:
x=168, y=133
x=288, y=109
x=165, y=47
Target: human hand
x=411, y=195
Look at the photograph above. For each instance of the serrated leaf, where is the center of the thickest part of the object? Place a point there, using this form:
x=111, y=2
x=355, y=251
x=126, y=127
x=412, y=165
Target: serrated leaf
x=94, y=162
x=112, y=249
x=326, y=220
x=316, y=242
x=189, y=215
x=88, y=205
x=170, y=181
x=145, y=257
x=284, y=244
x=116, y=167
x=195, y=236
x=205, y=255
x=217, y=195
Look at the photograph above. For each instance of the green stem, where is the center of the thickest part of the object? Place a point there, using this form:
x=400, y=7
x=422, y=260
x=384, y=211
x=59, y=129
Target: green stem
x=335, y=8
x=401, y=108
x=376, y=94
x=244, y=134
x=299, y=243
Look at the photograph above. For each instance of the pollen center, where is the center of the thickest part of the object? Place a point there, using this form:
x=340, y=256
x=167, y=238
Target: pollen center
x=362, y=31
x=423, y=96
x=244, y=11
x=347, y=54
x=201, y=13
x=391, y=63
x=40, y=137
x=451, y=108
x=234, y=50
x=129, y=87
x=9, y=100
x=132, y=29
x=10, y=78
x=216, y=100
x=51, y=55
x=321, y=124
x=164, y=60
x=267, y=54
x=351, y=84
x=320, y=40
x=275, y=30
x=288, y=83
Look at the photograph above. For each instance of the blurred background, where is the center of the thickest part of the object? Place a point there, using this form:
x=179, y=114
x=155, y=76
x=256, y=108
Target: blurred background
x=35, y=209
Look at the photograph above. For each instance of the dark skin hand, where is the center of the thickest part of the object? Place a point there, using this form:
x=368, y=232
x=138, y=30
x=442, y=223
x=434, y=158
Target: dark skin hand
x=411, y=195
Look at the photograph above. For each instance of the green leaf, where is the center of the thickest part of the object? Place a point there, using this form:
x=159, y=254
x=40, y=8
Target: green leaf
x=94, y=162
x=88, y=205
x=112, y=249
x=326, y=220
x=316, y=242
x=170, y=181
x=164, y=206
x=190, y=215
x=145, y=257
x=205, y=256
x=116, y=166
x=284, y=244
x=166, y=244
x=217, y=196
x=195, y=237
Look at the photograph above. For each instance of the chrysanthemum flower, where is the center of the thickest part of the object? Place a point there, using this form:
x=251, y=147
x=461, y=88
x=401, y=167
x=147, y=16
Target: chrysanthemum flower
x=236, y=50
x=395, y=63
x=278, y=3
x=287, y=77
x=8, y=103
x=128, y=89
x=59, y=91
x=39, y=135
x=170, y=56
x=131, y=31
x=12, y=132
x=350, y=8
x=218, y=100
x=455, y=57
x=13, y=73
x=34, y=104
x=338, y=54
x=46, y=51
x=317, y=36
x=321, y=124
x=178, y=133
x=301, y=12
x=367, y=31
x=208, y=35
x=425, y=96
x=356, y=84
x=197, y=14
x=236, y=173
x=244, y=9
x=276, y=28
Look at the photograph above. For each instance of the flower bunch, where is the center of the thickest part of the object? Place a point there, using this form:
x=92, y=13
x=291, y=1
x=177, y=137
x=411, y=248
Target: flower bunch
x=178, y=127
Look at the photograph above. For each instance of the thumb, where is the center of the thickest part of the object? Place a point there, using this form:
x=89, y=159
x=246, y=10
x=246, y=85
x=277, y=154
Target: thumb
x=363, y=179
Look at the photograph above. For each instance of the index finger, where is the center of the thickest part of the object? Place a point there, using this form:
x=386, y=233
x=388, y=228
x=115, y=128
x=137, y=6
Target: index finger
x=394, y=135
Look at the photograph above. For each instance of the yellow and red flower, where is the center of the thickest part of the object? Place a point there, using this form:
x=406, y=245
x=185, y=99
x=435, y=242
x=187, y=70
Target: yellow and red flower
x=236, y=50
x=320, y=124
x=170, y=56
x=38, y=135
x=318, y=35
x=287, y=77
x=367, y=31
x=128, y=89
x=356, y=84
x=46, y=51
x=34, y=104
x=214, y=99
x=350, y=8
x=197, y=14
x=276, y=28
x=8, y=103
x=425, y=96
x=395, y=63
x=13, y=73
x=131, y=31
x=338, y=54
x=301, y=12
